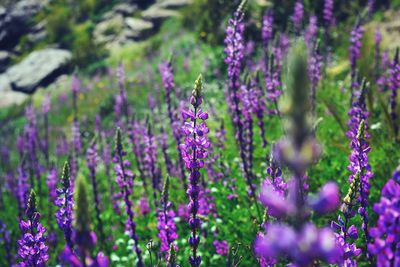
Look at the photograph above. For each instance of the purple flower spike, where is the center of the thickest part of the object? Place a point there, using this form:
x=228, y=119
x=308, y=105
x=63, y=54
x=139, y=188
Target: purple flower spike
x=32, y=247
x=385, y=235
x=298, y=15
x=267, y=28
x=124, y=179
x=355, y=49
x=329, y=20
x=194, y=152
x=65, y=202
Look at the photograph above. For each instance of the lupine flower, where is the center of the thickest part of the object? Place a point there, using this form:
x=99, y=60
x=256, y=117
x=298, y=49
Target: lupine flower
x=328, y=13
x=359, y=163
x=298, y=15
x=122, y=91
x=171, y=261
x=394, y=85
x=22, y=190
x=310, y=35
x=45, y=110
x=51, y=181
x=166, y=224
x=124, y=179
x=32, y=246
x=221, y=247
x=5, y=240
x=150, y=162
x=136, y=134
x=234, y=50
x=163, y=138
x=194, y=151
x=76, y=137
x=302, y=241
x=65, y=203
x=314, y=73
x=267, y=28
x=385, y=235
x=371, y=7
x=83, y=237
x=167, y=75
x=355, y=49
x=358, y=112
x=32, y=145
x=91, y=162
x=144, y=205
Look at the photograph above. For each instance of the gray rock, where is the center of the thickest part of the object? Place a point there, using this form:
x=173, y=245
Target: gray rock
x=172, y=4
x=107, y=30
x=125, y=9
x=7, y=96
x=4, y=60
x=157, y=14
x=39, y=68
x=137, y=28
x=15, y=22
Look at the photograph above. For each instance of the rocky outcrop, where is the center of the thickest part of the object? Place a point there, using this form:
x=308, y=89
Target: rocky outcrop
x=14, y=22
x=7, y=96
x=173, y=4
x=157, y=14
x=40, y=68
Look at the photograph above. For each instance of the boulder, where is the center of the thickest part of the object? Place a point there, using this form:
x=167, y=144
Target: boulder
x=107, y=30
x=39, y=68
x=15, y=22
x=158, y=14
x=173, y=4
x=4, y=60
x=137, y=28
x=7, y=96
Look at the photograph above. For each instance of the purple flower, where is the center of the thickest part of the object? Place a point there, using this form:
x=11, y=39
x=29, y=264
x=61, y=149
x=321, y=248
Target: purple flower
x=32, y=246
x=22, y=189
x=355, y=49
x=150, y=162
x=298, y=15
x=394, y=85
x=5, y=240
x=314, y=73
x=194, y=152
x=70, y=258
x=267, y=28
x=167, y=75
x=385, y=235
x=144, y=205
x=327, y=199
x=65, y=203
x=221, y=247
x=124, y=179
x=91, y=162
x=310, y=35
x=328, y=13
x=51, y=181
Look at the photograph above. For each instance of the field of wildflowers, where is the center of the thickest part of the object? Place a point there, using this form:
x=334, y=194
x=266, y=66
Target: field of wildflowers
x=278, y=146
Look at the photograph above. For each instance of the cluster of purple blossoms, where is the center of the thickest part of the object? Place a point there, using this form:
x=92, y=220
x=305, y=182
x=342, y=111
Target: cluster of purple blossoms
x=394, y=85
x=314, y=73
x=51, y=181
x=355, y=50
x=328, y=13
x=221, y=247
x=22, y=189
x=5, y=241
x=293, y=235
x=359, y=164
x=167, y=75
x=342, y=229
x=194, y=151
x=150, y=162
x=91, y=162
x=124, y=179
x=298, y=15
x=144, y=205
x=385, y=235
x=267, y=28
x=65, y=203
x=32, y=246
x=166, y=225
x=310, y=36
x=70, y=258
